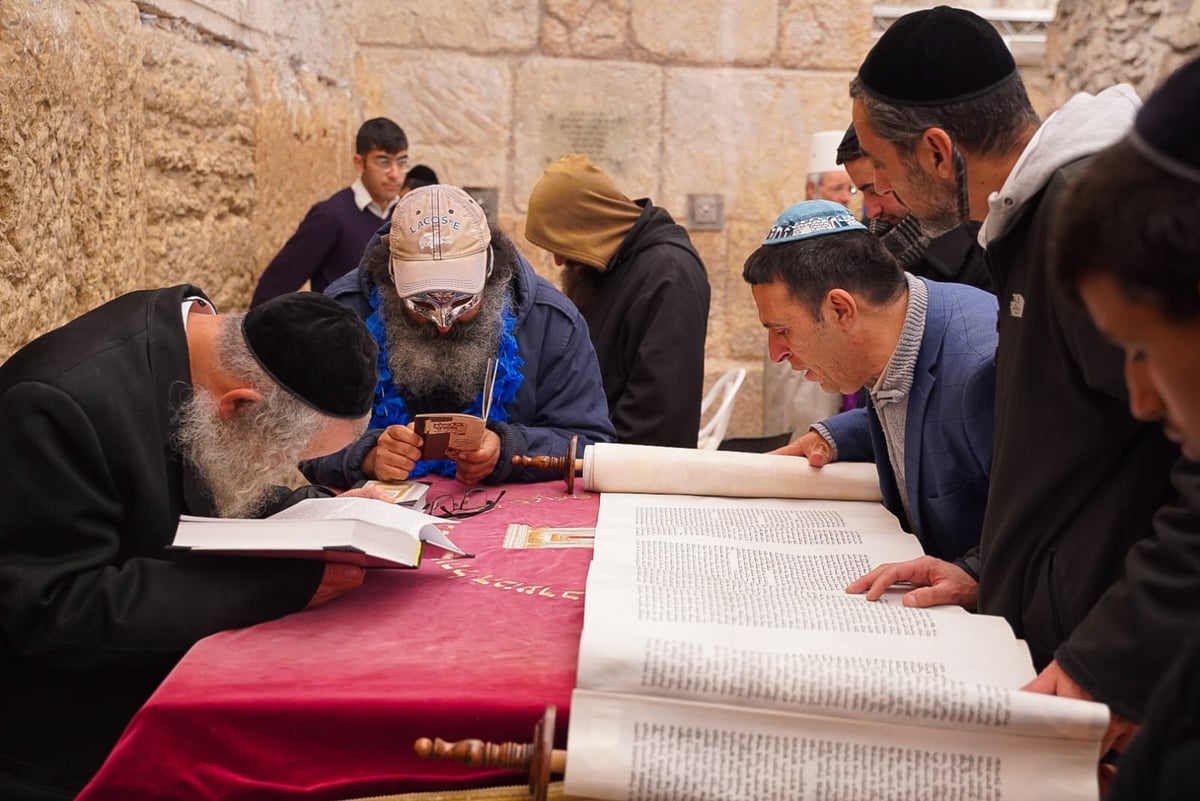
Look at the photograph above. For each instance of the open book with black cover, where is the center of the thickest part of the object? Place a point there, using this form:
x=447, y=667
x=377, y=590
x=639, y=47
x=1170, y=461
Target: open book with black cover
x=361, y=531
x=722, y=659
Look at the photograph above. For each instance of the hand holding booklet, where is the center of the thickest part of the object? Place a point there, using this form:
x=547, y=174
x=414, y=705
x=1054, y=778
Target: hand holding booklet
x=361, y=531
x=458, y=431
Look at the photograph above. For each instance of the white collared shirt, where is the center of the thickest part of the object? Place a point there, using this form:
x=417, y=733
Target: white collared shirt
x=363, y=199
x=193, y=304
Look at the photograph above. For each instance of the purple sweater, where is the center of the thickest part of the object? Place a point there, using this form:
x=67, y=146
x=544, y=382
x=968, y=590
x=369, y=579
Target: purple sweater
x=328, y=244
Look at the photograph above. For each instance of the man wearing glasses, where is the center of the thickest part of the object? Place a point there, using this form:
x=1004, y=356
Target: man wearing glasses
x=331, y=237
x=443, y=294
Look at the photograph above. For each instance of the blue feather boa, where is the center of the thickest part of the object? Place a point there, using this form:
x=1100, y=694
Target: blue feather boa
x=389, y=408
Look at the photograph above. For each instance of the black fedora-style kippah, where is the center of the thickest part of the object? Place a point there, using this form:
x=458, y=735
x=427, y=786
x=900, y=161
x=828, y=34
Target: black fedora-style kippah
x=936, y=57
x=316, y=349
x=849, y=148
x=1167, y=128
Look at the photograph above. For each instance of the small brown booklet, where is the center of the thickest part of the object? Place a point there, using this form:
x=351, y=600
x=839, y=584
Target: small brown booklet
x=460, y=431
x=463, y=432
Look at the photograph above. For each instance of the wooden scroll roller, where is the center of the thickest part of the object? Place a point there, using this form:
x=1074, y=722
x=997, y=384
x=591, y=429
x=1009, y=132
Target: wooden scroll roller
x=539, y=759
x=568, y=464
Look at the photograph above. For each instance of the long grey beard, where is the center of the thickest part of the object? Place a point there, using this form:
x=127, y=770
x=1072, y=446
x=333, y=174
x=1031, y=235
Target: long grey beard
x=235, y=458
x=425, y=362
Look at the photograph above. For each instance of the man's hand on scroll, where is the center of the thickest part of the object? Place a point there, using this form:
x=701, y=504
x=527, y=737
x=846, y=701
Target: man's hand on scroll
x=1055, y=681
x=812, y=445
x=393, y=457
x=474, y=466
x=938, y=583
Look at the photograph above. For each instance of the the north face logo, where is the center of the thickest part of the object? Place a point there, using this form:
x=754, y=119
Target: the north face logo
x=1016, y=305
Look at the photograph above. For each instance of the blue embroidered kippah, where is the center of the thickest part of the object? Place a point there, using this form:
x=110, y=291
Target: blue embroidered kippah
x=812, y=218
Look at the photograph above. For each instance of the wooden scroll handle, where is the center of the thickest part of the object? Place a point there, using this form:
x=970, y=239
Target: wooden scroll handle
x=539, y=758
x=568, y=464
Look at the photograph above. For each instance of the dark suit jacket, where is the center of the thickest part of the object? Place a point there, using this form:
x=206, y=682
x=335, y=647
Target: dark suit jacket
x=93, y=610
x=948, y=431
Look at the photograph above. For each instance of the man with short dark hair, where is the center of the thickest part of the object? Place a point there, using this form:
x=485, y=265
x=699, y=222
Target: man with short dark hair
x=442, y=294
x=643, y=290
x=419, y=175
x=143, y=409
x=838, y=309
x=953, y=256
x=1074, y=551
x=1126, y=243
x=331, y=237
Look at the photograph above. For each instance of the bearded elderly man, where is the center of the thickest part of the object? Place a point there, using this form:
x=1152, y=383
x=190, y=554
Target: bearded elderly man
x=442, y=294
x=143, y=409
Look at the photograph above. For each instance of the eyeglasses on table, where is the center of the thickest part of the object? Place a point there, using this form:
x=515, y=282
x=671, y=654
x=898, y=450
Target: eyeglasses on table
x=474, y=502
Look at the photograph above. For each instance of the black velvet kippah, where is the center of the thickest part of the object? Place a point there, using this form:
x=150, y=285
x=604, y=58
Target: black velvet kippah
x=316, y=349
x=936, y=57
x=1167, y=129
x=849, y=148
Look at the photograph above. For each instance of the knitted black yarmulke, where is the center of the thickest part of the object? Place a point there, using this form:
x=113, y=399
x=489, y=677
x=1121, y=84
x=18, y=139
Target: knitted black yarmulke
x=849, y=148
x=316, y=349
x=935, y=57
x=1167, y=129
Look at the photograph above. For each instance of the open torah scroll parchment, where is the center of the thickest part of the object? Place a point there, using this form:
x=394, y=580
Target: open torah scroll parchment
x=721, y=659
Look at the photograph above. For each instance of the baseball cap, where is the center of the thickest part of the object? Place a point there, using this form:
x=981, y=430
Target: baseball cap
x=439, y=242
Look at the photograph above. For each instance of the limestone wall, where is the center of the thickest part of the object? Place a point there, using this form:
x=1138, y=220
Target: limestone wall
x=1096, y=43
x=139, y=148
x=147, y=143
x=162, y=141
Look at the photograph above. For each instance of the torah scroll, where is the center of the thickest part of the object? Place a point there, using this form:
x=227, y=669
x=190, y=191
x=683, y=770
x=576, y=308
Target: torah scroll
x=613, y=467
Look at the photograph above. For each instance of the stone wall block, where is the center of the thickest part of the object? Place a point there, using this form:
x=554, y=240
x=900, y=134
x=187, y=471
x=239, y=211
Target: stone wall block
x=745, y=135
x=472, y=26
x=745, y=338
x=298, y=30
x=1095, y=44
x=199, y=144
x=458, y=117
x=824, y=36
x=70, y=162
x=585, y=28
x=304, y=152
x=712, y=247
x=707, y=31
x=609, y=111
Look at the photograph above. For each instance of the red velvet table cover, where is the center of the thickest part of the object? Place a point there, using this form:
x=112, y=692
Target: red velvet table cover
x=326, y=704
